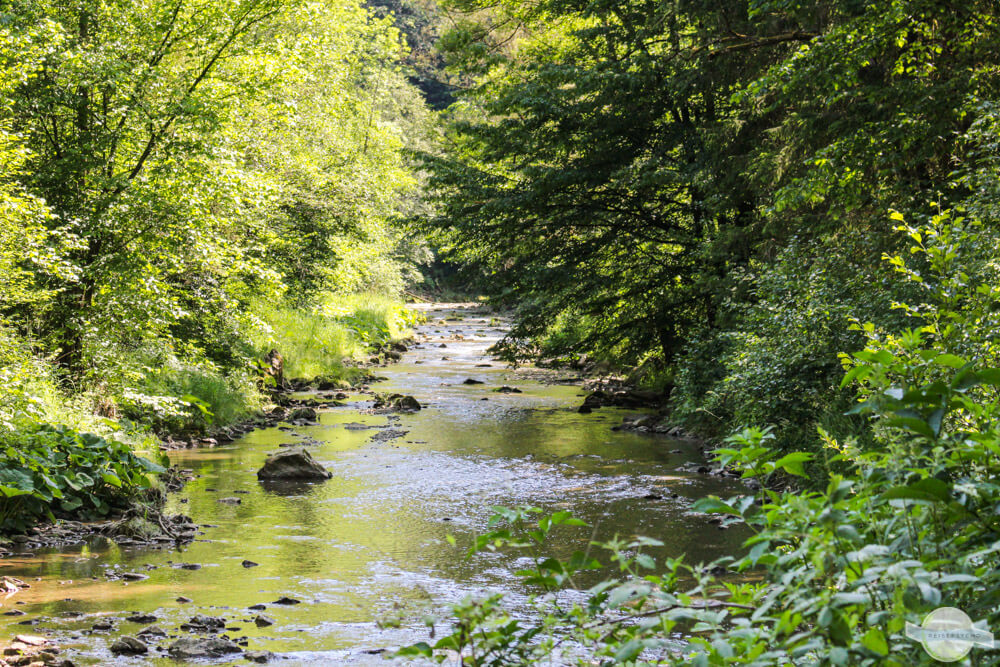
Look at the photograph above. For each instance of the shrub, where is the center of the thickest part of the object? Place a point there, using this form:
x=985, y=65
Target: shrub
x=47, y=470
x=894, y=530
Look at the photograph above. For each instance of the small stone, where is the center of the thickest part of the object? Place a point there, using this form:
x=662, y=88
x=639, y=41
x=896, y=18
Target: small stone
x=141, y=618
x=249, y=564
x=287, y=600
x=128, y=646
x=200, y=622
x=260, y=657
x=304, y=414
x=183, y=600
x=472, y=381
x=31, y=640
x=134, y=576
x=104, y=625
x=230, y=501
x=262, y=621
x=257, y=607
x=153, y=631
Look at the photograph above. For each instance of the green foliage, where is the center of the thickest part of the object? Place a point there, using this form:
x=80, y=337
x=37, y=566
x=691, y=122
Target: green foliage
x=893, y=530
x=167, y=165
x=341, y=328
x=173, y=397
x=46, y=470
x=703, y=187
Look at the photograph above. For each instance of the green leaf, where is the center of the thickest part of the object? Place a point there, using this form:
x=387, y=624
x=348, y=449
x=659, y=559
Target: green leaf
x=926, y=490
x=874, y=641
x=714, y=505
x=950, y=360
x=792, y=463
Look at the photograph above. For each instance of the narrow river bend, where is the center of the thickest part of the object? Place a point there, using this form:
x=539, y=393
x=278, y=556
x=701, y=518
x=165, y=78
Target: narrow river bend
x=370, y=544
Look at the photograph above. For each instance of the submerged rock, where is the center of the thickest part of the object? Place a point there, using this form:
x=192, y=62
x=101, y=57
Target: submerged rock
x=294, y=463
x=202, y=623
x=260, y=657
x=472, y=381
x=153, y=631
x=188, y=648
x=141, y=618
x=506, y=389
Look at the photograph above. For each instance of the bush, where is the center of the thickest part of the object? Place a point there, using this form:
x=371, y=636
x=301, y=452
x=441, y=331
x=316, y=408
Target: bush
x=178, y=396
x=894, y=530
x=47, y=470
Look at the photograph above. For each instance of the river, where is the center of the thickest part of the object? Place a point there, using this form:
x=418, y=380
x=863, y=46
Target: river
x=369, y=545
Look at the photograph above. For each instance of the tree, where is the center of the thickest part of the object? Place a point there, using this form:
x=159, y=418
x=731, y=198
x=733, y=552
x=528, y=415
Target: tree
x=116, y=113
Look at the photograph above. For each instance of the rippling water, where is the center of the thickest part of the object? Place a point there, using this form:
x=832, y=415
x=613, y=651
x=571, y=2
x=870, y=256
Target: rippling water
x=370, y=544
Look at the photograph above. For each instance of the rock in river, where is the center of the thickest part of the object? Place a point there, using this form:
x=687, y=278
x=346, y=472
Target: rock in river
x=126, y=645
x=303, y=414
x=188, y=648
x=294, y=463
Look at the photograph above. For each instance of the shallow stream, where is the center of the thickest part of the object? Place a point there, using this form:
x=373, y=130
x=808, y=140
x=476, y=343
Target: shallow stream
x=370, y=544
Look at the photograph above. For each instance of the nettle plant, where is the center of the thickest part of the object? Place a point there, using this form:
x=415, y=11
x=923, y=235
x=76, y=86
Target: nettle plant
x=894, y=531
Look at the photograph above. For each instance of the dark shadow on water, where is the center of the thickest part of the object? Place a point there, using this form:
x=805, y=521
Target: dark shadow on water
x=288, y=487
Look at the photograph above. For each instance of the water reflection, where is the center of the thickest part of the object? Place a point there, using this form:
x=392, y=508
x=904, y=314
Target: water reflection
x=371, y=541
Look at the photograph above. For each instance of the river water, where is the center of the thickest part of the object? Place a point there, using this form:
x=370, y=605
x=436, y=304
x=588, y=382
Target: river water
x=369, y=545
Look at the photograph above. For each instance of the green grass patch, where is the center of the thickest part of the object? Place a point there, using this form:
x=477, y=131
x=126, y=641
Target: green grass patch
x=339, y=328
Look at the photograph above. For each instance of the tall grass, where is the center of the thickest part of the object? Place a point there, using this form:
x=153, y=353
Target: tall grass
x=318, y=341
x=228, y=398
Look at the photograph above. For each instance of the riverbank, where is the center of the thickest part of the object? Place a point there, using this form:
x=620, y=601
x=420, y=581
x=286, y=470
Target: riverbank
x=366, y=553
x=98, y=475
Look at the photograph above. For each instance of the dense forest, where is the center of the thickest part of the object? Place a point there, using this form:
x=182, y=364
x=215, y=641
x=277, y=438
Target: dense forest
x=775, y=216
x=187, y=186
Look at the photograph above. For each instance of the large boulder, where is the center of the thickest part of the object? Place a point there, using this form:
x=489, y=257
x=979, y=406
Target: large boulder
x=190, y=648
x=293, y=463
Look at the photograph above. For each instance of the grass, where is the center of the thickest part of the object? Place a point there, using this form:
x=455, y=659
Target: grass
x=154, y=389
x=317, y=342
x=229, y=399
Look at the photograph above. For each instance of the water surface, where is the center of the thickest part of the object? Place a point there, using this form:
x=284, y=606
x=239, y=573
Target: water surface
x=370, y=544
